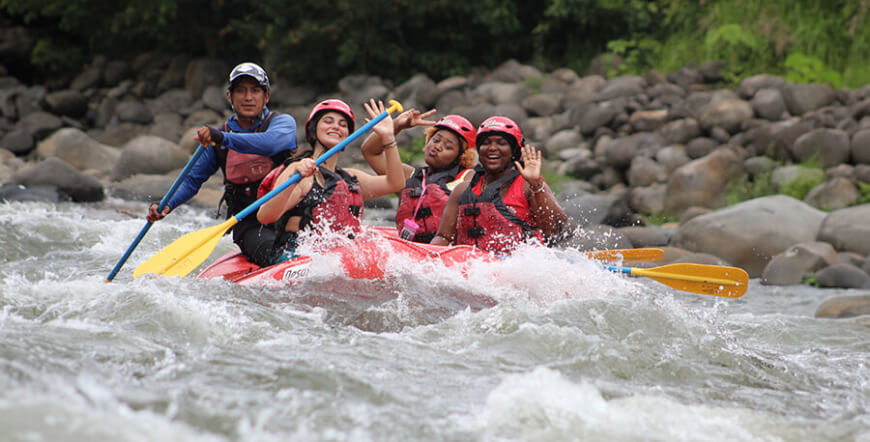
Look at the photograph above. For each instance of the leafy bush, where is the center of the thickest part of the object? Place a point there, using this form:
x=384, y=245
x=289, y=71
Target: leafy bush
x=743, y=188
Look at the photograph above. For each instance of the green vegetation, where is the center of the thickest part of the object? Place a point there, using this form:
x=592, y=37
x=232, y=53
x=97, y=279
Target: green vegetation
x=864, y=188
x=556, y=180
x=745, y=188
x=310, y=41
x=659, y=218
x=413, y=153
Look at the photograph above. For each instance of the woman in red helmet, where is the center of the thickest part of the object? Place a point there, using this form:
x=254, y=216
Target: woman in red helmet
x=327, y=197
x=507, y=201
x=449, y=155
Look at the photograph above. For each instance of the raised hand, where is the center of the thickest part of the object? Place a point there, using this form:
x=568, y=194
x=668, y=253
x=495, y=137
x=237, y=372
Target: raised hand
x=530, y=168
x=412, y=118
x=384, y=128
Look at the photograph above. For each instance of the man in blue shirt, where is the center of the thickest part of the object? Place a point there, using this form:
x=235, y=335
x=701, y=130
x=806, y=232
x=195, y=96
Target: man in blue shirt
x=251, y=143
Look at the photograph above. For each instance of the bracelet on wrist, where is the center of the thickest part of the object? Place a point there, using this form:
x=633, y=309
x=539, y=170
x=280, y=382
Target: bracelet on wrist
x=389, y=145
x=537, y=187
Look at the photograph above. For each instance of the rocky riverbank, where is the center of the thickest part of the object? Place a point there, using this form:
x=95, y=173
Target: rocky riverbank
x=635, y=147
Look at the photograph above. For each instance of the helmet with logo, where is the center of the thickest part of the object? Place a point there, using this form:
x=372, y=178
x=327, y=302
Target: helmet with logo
x=460, y=126
x=322, y=108
x=252, y=70
x=505, y=127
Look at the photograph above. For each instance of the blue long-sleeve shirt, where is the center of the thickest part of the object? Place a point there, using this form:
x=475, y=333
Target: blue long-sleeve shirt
x=281, y=135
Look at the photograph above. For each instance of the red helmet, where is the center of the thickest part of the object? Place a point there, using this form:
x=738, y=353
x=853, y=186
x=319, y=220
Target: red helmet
x=323, y=107
x=503, y=126
x=460, y=126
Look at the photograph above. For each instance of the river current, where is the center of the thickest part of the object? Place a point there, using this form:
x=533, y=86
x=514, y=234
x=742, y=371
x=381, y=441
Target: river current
x=531, y=348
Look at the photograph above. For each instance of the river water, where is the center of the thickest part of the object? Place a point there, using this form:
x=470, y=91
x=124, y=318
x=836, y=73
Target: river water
x=531, y=348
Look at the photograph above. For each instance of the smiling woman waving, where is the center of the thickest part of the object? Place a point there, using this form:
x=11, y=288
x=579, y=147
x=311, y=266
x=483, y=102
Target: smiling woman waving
x=507, y=202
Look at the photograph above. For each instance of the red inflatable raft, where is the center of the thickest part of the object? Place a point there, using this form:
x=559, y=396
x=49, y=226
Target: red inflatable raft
x=364, y=260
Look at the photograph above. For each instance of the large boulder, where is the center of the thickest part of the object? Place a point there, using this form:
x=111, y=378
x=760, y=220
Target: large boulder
x=727, y=114
x=702, y=182
x=835, y=193
x=803, y=98
x=79, y=150
x=61, y=175
x=843, y=275
x=148, y=154
x=750, y=233
x=830, y=146
x=790, y=267
x=844, y=307
x=847, y=229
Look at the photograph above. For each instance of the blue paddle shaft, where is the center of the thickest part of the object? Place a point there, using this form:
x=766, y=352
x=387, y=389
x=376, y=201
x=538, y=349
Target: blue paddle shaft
x=626, y=270
x=160, y=208
x=296, y=176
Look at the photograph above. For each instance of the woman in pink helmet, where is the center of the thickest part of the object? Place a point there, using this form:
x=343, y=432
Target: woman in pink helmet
x=507, y=202
x=449, y=155
x=327, y=197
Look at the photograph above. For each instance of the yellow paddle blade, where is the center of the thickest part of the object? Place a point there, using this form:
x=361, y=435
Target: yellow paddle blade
x=185, y=253
x=730, y=282
x=645, y=254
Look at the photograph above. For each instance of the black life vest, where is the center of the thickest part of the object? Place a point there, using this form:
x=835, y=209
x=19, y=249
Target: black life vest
x=244, y=171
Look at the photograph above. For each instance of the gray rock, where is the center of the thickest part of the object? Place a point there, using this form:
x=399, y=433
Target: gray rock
x=68, y=102
x=624, y=86
x=451, y=100
x=835, y=193
x=167, y=126
x=39, y=124
x=645, y=171
x=173, y=76
x=648, y=236
x=513, y=71
x=78, y=150
x=502, y=93
x=205, y=117
x=860, y=147
x=648, y=120
x=596, y=115
x=202, y=73
x=769, y=104
x=148, y=154
x=842, y=276
x=803, y=98
x=419, y=89
x=672, y=157
x=680, y=131
x=119, y=135
x=649, y=200
x=89, y=78
x=757, y=166
x=620, y=151
x=562, y=140
x=543, y=104
x=844, y=307
x=174, y=101
x=700, y=147
x=702, y=182
x=799, y=260
x=143, y=187
x=727, y=114
x=133, y=111
x=749, y=86
x=750, y=233
x=19, y=142
x=830, y=146
x=60, y=174
x=215, y=98
x=847, y=229
x=16, y=192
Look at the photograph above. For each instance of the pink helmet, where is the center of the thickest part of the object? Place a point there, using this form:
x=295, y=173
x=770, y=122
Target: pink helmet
x=461, y=127
x=323, y=107
x=505, y=127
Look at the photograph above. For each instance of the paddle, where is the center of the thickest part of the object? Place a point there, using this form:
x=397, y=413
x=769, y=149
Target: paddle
x=160, y=208
x=189, y=251
x=644, y=254
x=729, y=282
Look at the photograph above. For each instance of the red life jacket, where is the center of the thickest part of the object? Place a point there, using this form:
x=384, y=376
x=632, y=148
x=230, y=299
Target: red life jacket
x=492, y=223
x=434, y=197
x=337, y=204
x=244, y=171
